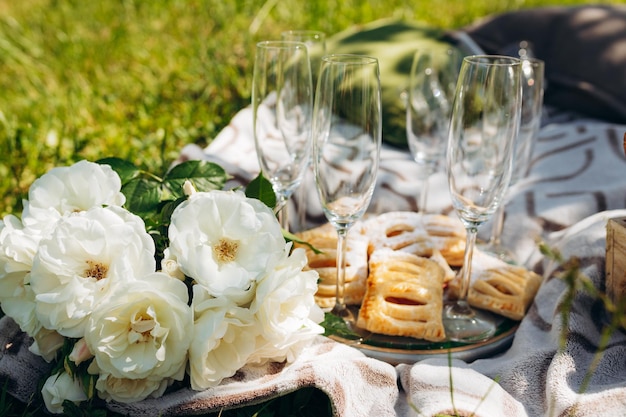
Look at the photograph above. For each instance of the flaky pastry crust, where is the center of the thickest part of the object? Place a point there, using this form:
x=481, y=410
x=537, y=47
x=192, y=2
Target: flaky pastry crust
x=404, y=296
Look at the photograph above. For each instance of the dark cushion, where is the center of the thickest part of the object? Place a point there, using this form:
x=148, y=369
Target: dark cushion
x=584, y=49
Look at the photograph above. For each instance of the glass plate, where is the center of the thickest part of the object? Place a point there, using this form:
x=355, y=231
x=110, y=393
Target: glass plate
x=396, y=349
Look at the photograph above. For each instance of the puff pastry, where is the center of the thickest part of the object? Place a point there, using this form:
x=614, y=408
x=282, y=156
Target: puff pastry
x=448, y=235
x=500, y=287
x=404, y=296
x=398, y=231
x=417, y=233
x=324, y=238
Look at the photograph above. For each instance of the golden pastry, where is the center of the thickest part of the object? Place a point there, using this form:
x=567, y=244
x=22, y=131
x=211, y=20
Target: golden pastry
x=419, y=234
x=404, y=296
x=500, y=287
x=324, y=239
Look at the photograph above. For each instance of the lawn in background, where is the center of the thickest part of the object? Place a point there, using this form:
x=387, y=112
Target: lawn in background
x=140, y=79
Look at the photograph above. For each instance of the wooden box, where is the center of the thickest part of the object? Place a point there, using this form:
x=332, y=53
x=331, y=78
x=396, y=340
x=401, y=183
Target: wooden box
x=616, y=259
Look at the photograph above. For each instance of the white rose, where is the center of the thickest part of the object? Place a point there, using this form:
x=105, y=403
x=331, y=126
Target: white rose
x=46, y=343
x=65, y=190
x=225, y=241
x=18, y=246
x=61, y=387
x=86, y=253
x=17, y=250
x=126, y=390
x=188, y=188
x=80, y=352
x=170, y=266
x=21, y=308
x=285, y=309
x=143, y=330
x=224, y=339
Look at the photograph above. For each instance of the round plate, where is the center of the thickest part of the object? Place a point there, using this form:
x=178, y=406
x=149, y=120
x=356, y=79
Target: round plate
x=396, y=349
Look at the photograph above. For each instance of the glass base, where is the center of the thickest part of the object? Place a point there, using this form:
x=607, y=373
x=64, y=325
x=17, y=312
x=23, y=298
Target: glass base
x=464, y=324
x=497, y=250
x=344, y=312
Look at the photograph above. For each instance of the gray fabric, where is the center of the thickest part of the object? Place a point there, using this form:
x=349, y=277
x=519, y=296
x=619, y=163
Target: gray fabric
x=584, y=49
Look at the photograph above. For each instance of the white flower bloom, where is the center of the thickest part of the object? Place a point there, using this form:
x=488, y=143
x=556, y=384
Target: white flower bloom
x=285, y=309
x=86, y=253
x=188, y=188
x=170, y=266
x=225, y=241
x=143, y=330
x=126, y=390
x=18, y=246
x=46, y=343
x=17, y=250
x=61, y=387
x=224, y=339
x=21, y=308
x=65, y=190
x=80, y=352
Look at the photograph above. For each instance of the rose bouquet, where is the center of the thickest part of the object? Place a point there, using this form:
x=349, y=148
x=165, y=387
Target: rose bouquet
x=132, y=285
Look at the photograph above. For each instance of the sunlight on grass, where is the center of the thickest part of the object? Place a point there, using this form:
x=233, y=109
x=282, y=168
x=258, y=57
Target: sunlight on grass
x=139, y=80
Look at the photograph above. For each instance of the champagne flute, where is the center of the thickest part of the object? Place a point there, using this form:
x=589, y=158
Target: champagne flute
x=432, y=79
x=532, y=104
x=483, y=128
x=282, y=102
x=347, y=136
x=316, y=42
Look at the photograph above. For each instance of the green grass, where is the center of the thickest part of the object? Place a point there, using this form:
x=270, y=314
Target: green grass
x=140, y=79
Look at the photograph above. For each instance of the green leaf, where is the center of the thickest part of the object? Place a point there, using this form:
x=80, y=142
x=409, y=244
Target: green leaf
x=167, y=209
x=159, y=229
x=142, y=195
x=261, y=189
x=89, y=384
x=204, y=175
x=334, y=325
x=290, y=236
x=126, y=170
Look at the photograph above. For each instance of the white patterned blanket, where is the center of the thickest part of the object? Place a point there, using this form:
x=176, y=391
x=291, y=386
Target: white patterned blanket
x=575, y=183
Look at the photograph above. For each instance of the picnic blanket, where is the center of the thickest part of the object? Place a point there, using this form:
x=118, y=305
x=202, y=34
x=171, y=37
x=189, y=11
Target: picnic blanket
x=574, y=184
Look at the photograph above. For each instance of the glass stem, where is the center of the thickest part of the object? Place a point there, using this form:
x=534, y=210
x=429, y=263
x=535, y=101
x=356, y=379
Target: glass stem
x=340, y=302
x=498, y=224
x=466, y=271
x=423, y=195
x=301, y=195
x=282, y=213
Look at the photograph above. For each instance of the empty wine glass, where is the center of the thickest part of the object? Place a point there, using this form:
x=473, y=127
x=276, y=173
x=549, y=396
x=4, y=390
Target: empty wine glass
x=347, y=136
x=532, y=103
x=483, y=128
x=315, y=40
x=432, y=79
x=282, y=102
